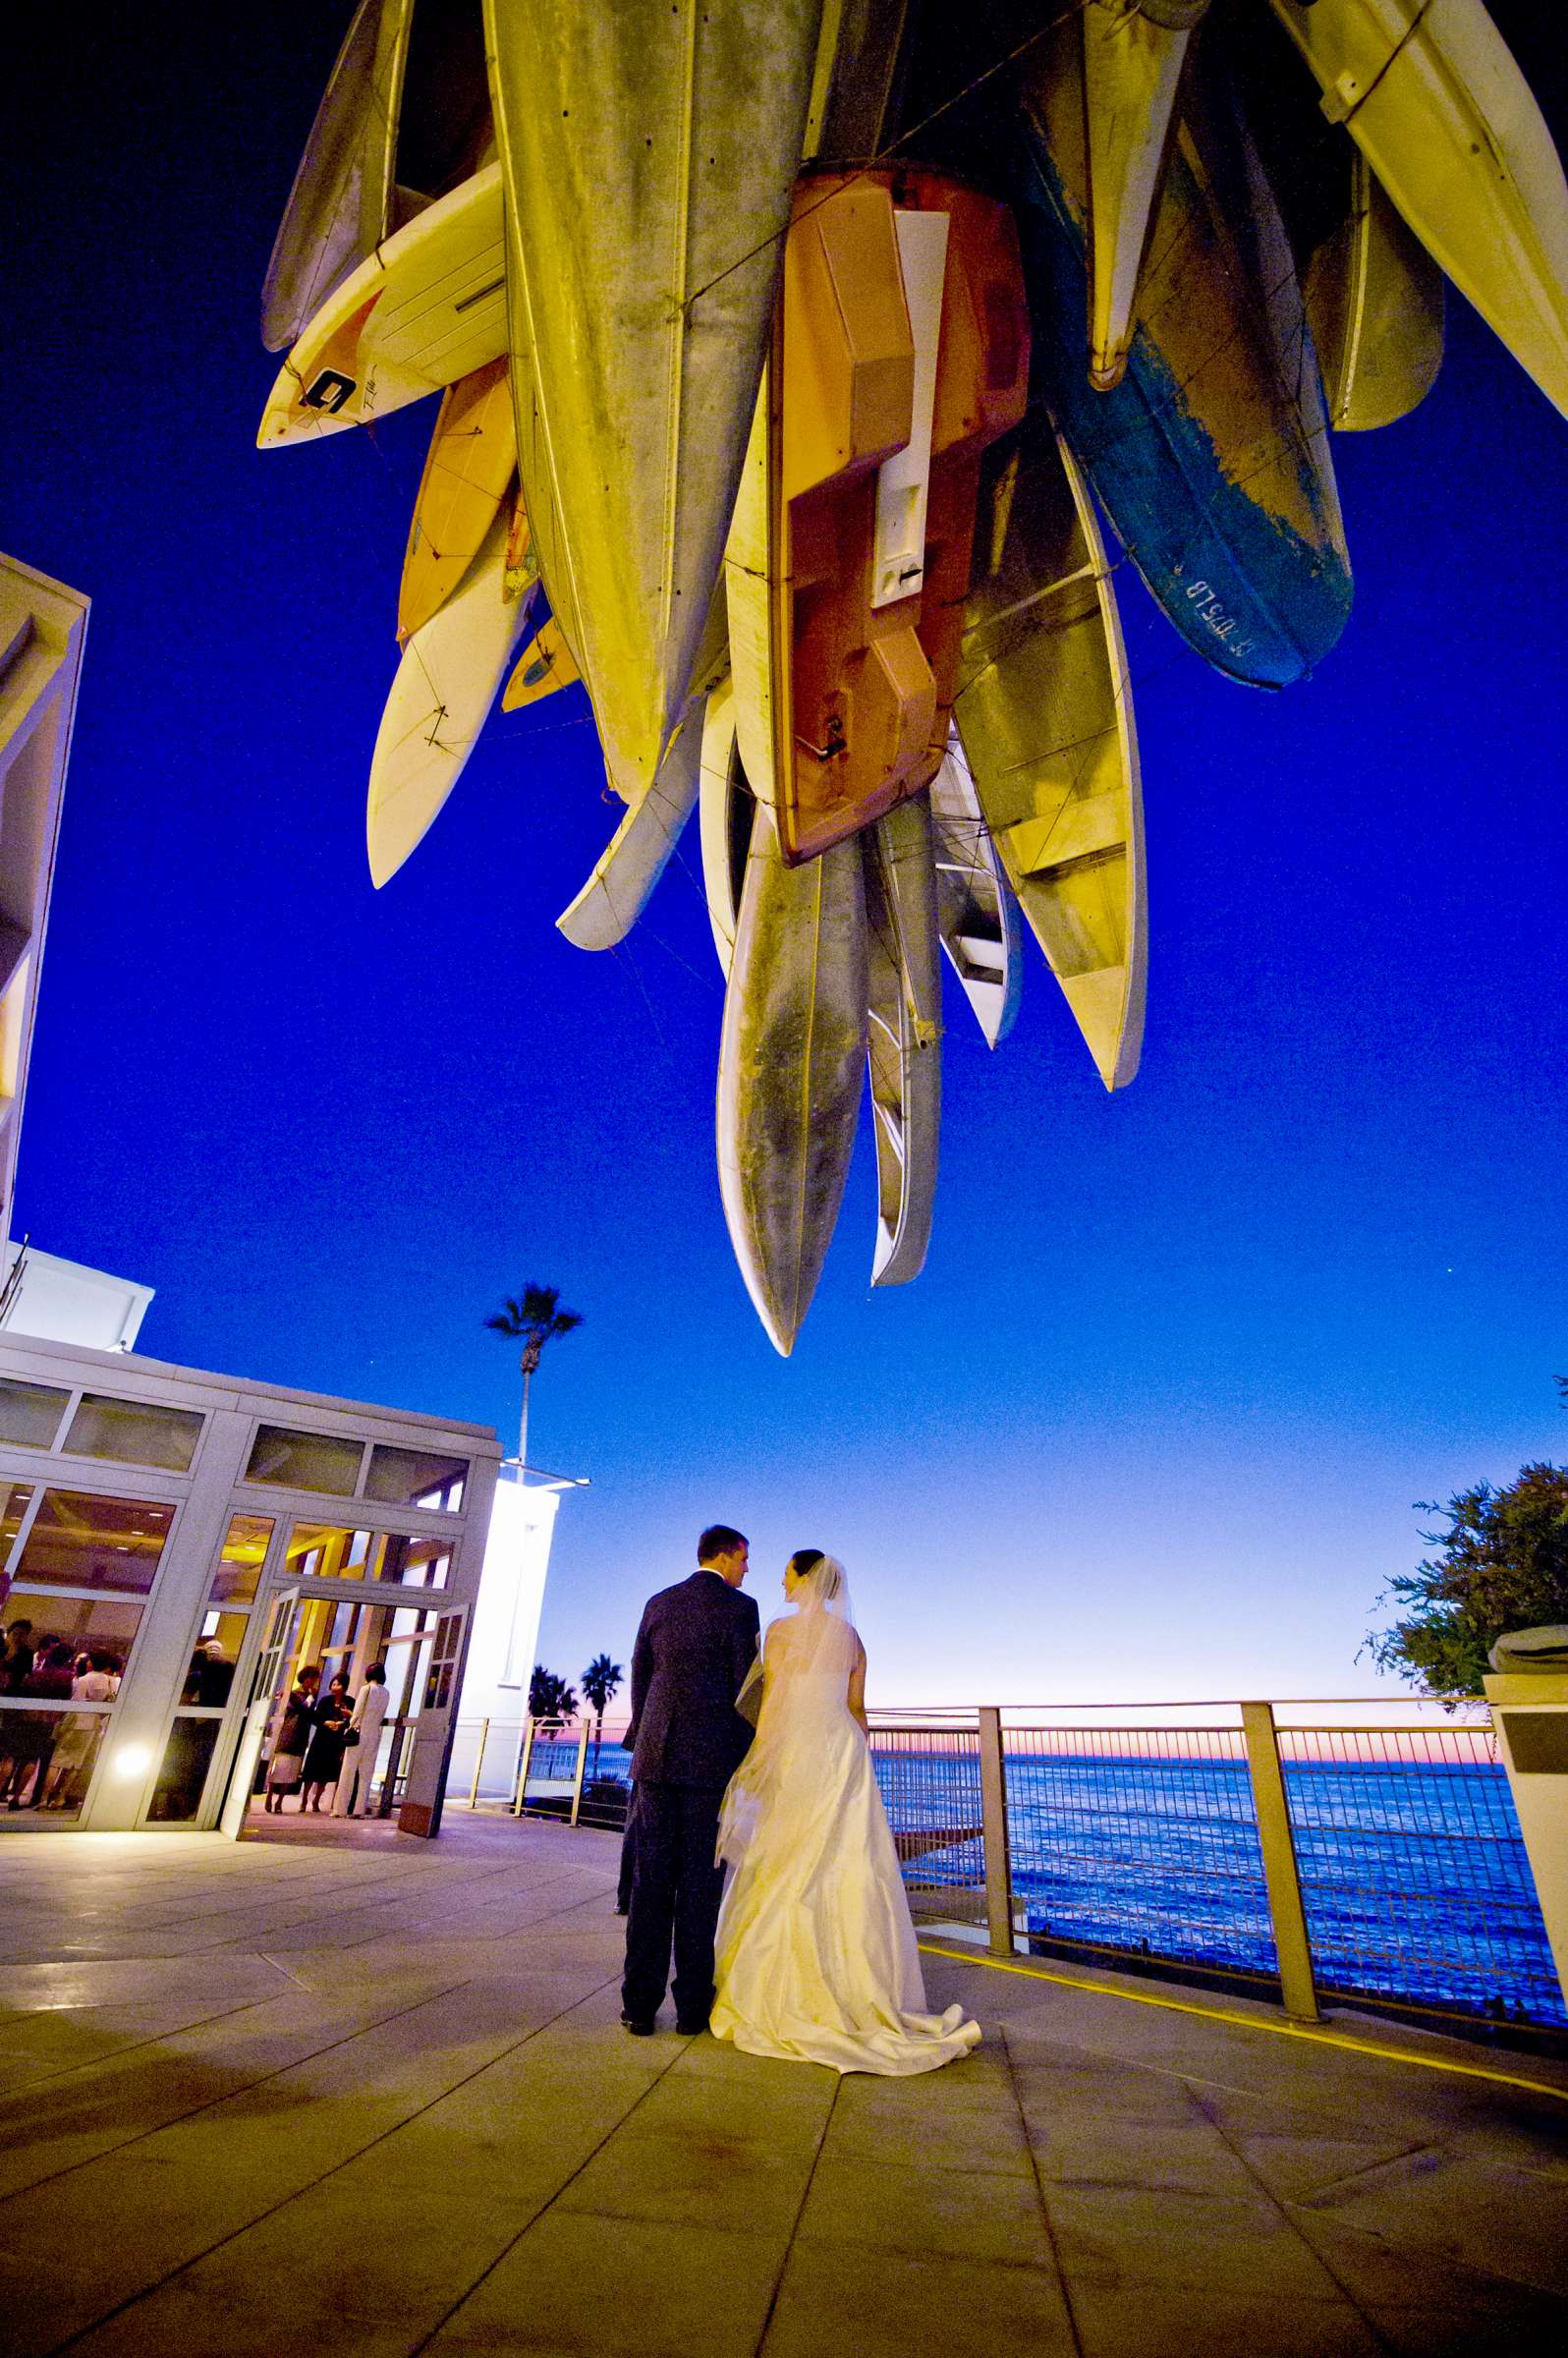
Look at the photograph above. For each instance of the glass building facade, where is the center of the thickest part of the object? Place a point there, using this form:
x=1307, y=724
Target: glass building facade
x=176, y=1547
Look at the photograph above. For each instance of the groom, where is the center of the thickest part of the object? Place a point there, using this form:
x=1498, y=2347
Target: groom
x=695, y=1645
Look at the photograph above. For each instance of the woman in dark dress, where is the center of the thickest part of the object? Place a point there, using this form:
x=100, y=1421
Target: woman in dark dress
x=323, y=1762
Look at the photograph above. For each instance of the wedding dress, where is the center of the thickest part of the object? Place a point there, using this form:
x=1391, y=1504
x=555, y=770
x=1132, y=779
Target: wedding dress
x=815, y=1955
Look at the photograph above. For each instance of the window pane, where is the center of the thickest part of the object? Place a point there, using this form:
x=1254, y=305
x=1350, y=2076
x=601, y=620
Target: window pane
x=48, y=1757
x=304, y=1461
x=88, y=1625
x=415, y=1563
x=78, y=1541
x=417, y=1478
x=326, y=1551
x=239, y=1565
x=187, y=1758
x=134, y=1432
x=31, y=1413
x=210, y=1674
x=15, y=1502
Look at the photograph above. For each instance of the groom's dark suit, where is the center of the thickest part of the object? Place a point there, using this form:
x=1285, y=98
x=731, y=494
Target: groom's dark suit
x=695, y=1645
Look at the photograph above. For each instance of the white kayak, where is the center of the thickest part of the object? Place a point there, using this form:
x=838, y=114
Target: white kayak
x=440, y=698
x=904, y=1040
x=1374, y=303
x=1430, y=92
x=792, y=1058
x=976, y=912
x=426, y=309
x=727, y=810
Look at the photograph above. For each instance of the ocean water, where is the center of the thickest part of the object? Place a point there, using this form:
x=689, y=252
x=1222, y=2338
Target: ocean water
x=1414, y=1876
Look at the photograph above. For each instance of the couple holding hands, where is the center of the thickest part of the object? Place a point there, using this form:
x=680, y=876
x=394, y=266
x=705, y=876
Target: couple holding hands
x=810, y=1953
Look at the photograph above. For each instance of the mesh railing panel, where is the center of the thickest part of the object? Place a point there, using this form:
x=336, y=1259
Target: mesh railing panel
x=930, y=1780
x=1413, y=1870
x=1143, y=1841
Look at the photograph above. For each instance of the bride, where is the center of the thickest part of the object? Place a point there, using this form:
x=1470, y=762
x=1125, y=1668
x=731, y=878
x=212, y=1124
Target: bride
x=815, y=1953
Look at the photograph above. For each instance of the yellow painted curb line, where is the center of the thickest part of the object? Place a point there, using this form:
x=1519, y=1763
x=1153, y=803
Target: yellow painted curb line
x=1315, y=2036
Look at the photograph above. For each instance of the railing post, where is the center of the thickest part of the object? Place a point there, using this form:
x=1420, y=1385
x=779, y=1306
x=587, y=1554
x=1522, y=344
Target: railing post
x=1281, y=1873
x=577, y=1779
x=478, y=1763
x=523, y=1759
x=993, y=1821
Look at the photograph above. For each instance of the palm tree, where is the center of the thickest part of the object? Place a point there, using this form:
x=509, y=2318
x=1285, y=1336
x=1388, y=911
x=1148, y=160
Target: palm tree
x=599, y=1682
x=549, y=1696
x=532, y=1318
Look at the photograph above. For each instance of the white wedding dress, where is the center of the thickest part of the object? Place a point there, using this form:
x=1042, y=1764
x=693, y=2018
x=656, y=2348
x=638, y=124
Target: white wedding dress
x=816, y=1954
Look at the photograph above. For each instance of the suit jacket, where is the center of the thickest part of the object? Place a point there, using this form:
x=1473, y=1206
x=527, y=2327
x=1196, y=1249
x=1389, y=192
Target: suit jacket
x=694, y=1647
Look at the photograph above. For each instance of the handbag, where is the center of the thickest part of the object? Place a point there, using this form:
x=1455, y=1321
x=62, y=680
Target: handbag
x=351, y=1739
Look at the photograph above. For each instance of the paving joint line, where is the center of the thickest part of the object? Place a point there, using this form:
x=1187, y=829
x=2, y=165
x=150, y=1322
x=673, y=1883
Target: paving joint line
x=1040, y=2197
x=157, y=2286
x=795, y=2224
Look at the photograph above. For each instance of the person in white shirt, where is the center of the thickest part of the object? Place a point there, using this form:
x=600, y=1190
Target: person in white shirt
x=358, y=1765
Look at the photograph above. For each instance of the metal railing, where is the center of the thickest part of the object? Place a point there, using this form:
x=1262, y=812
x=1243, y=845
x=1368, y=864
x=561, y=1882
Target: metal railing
x=1382, y=1862
x=539, y=1769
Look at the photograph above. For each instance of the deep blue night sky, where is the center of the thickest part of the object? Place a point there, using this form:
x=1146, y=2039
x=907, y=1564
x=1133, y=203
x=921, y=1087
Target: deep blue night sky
x=1152, y=1421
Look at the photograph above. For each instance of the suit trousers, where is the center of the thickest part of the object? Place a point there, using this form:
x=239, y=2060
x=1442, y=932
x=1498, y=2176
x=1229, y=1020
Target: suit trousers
x=676, y=1888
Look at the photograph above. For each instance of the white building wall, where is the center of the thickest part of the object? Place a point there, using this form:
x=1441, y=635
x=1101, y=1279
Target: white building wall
x=65, y=1301
x=504, y=1636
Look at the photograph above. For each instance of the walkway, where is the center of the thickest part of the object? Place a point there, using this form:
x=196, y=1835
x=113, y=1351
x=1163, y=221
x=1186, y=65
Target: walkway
x=343, y=2093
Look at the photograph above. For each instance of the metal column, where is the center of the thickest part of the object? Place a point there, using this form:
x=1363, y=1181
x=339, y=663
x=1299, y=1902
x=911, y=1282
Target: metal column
x=1281, y=1874
x=993, y=1820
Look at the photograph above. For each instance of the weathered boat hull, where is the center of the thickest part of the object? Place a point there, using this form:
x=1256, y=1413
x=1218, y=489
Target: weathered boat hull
x=792, y=1058
x=904, y=1036
x=1430, y=94
x=1375, y=298
x=976, y=912
x=471, y=469
x=649, y=154
x=1211, y=455
x=340, y=204
x=1044, y=710
x=1133, y=60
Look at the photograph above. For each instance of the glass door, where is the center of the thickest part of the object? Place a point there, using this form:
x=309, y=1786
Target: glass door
x=264, y=1691
x=424, y=1783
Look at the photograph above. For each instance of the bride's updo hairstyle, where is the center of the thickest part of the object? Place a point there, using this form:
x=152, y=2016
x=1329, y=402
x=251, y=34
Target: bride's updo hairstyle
x=818, y=1566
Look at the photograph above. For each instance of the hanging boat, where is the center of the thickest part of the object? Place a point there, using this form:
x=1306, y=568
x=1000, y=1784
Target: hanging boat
x=1430, y=95
x=339, y=208
x=452, y=666
x=1374, y=299
x=1134, y=53
x=791, y=1053
x=545, y=665
x=900, y=353
x=975, y=913
x=639, y=852
x=426, y=309
x=1211, y=455
x=728, y=811
x=1044, y=710
x=903, y=1033
x=471, y=469
x=650, y=153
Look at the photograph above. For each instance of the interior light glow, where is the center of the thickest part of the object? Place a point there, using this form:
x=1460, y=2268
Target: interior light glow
x=132, y=1760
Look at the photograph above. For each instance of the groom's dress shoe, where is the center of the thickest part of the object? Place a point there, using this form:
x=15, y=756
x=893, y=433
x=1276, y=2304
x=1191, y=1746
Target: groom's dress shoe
x=638, y=2028
x=692, y=2029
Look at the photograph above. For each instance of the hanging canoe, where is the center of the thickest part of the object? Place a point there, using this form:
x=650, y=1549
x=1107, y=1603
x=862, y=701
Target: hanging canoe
x=428, y=308
x=445, y=686
x=471, y=467
x=1430, y=95
x=1044, y=710
x=649, y=153
x=339, y=208
x=792, y=1054
x=901, y=351
x=1134, y=51
x=728, y=811
x=1211, y=455
x=638, y=854
x=1375, y=300
x=545, y=665
x=903, y=1033
x=977, y=915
